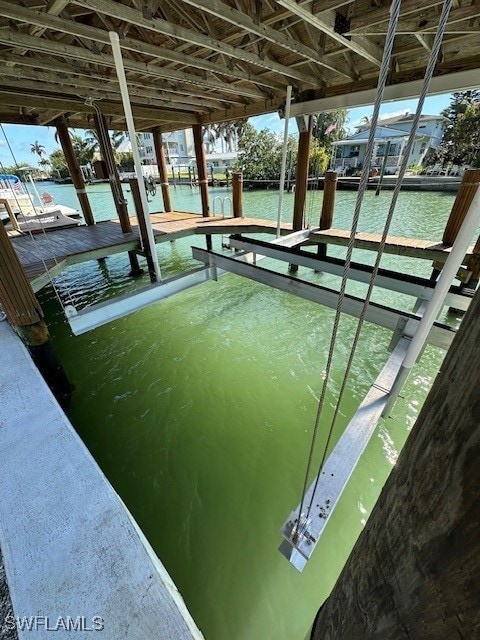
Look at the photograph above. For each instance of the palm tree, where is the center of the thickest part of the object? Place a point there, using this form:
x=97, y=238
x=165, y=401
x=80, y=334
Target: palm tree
x=239, y=128
x=209, y=138
x=71, y=133
x=116, y=139
x=365, y=123
x=38, y=149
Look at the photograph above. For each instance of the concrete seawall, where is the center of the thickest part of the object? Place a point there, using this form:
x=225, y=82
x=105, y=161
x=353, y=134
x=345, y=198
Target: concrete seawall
x=73, y=555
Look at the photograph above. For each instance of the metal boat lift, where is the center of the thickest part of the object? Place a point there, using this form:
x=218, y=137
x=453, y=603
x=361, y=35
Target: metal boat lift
x=411, y=331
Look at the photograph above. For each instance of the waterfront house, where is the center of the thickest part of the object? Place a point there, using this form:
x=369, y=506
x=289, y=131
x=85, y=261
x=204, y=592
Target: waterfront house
x=390, y=137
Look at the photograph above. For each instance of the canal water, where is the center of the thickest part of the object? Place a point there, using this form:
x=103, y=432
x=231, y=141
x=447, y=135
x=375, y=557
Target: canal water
x=199, y=410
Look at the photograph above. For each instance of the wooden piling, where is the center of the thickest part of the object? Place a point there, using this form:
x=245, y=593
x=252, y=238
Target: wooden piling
x=463, y=200
x=237, y=194
x=162, y=167
x=143, y=227
x=202, y=174
x=413, y=572
x=11, y=215
x=301, y=178
x=74, y=169
x=25, y=314
x=328, y=207
x=106, y=152
x=474, y=266
x=301, y=181
x=384, y=166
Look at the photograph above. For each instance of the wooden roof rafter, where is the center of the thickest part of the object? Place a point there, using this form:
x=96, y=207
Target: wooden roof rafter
x=54, y=47
x=98, y=36
x=215, y=60
x=233, y=16
x=197, y=39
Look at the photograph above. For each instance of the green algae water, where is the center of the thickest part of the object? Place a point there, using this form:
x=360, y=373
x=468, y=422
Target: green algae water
x=199, y=409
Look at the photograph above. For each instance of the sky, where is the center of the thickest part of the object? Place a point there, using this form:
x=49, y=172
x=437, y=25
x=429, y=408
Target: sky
x=22, y=136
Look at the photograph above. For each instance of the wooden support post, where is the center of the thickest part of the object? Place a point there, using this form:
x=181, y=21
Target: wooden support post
x=142, y=226
x=11, y=215
x=384, y=166
x=474, y=266
x=413, y=572
x=106, y=152
x=74, y=169
x=328, y=207
x=237, y=194
x=301, y=180
x=466, y=192
x=162, y=167
x=25, y=314
x=202, y=174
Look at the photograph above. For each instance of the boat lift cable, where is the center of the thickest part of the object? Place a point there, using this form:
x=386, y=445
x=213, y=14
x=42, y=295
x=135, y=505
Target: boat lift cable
x=382, y=80
x=403, y=168
x=281, y=186
x=32, y=237
x=310, y=202
x=105, y=141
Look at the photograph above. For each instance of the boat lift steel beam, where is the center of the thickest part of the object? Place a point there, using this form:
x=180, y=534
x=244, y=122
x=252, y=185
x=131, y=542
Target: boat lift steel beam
x=339, y=466
x=391, y=280
x=99, y=314
x=104, y=312
x=440, y=336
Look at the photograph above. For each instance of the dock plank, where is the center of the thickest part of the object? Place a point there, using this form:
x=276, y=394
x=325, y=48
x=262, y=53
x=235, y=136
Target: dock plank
x=411, y=247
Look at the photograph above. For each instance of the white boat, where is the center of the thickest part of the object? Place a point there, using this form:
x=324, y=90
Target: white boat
x=19, y=211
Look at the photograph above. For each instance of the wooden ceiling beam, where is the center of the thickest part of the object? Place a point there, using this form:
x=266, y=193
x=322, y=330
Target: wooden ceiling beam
x=235, y=113
x=87, y=90
x=238, y=18
x=18, y=118
x=424, y=22
x=380, y=14
x=54, y=8
x=54, y=102
x=55, y=48
x=325, y=23
x=65, y=70
x=46, y=120
x=46, y=21
x=196, y=38
x=426, y=40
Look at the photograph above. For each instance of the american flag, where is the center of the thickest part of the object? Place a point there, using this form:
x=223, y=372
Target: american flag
x=330, y=128
x=16, y=184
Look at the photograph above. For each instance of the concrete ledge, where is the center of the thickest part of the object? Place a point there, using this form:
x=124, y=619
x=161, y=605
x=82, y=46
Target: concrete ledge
x=71, y=549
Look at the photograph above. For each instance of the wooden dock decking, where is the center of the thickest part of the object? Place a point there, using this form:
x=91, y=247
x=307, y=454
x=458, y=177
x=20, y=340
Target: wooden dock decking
x=62, y=247
x=411, y=247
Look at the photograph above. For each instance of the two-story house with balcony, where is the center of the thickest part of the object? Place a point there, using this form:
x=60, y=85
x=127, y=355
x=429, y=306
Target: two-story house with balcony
x=390, y=138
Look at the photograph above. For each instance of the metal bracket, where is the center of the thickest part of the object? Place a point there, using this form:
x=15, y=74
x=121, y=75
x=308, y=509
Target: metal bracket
x=397, y=333
x=302, y=123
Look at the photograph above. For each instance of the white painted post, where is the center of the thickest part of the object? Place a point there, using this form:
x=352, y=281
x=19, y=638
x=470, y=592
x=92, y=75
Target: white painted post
x=449, y=271
x=122, y=80
x=284, y=159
